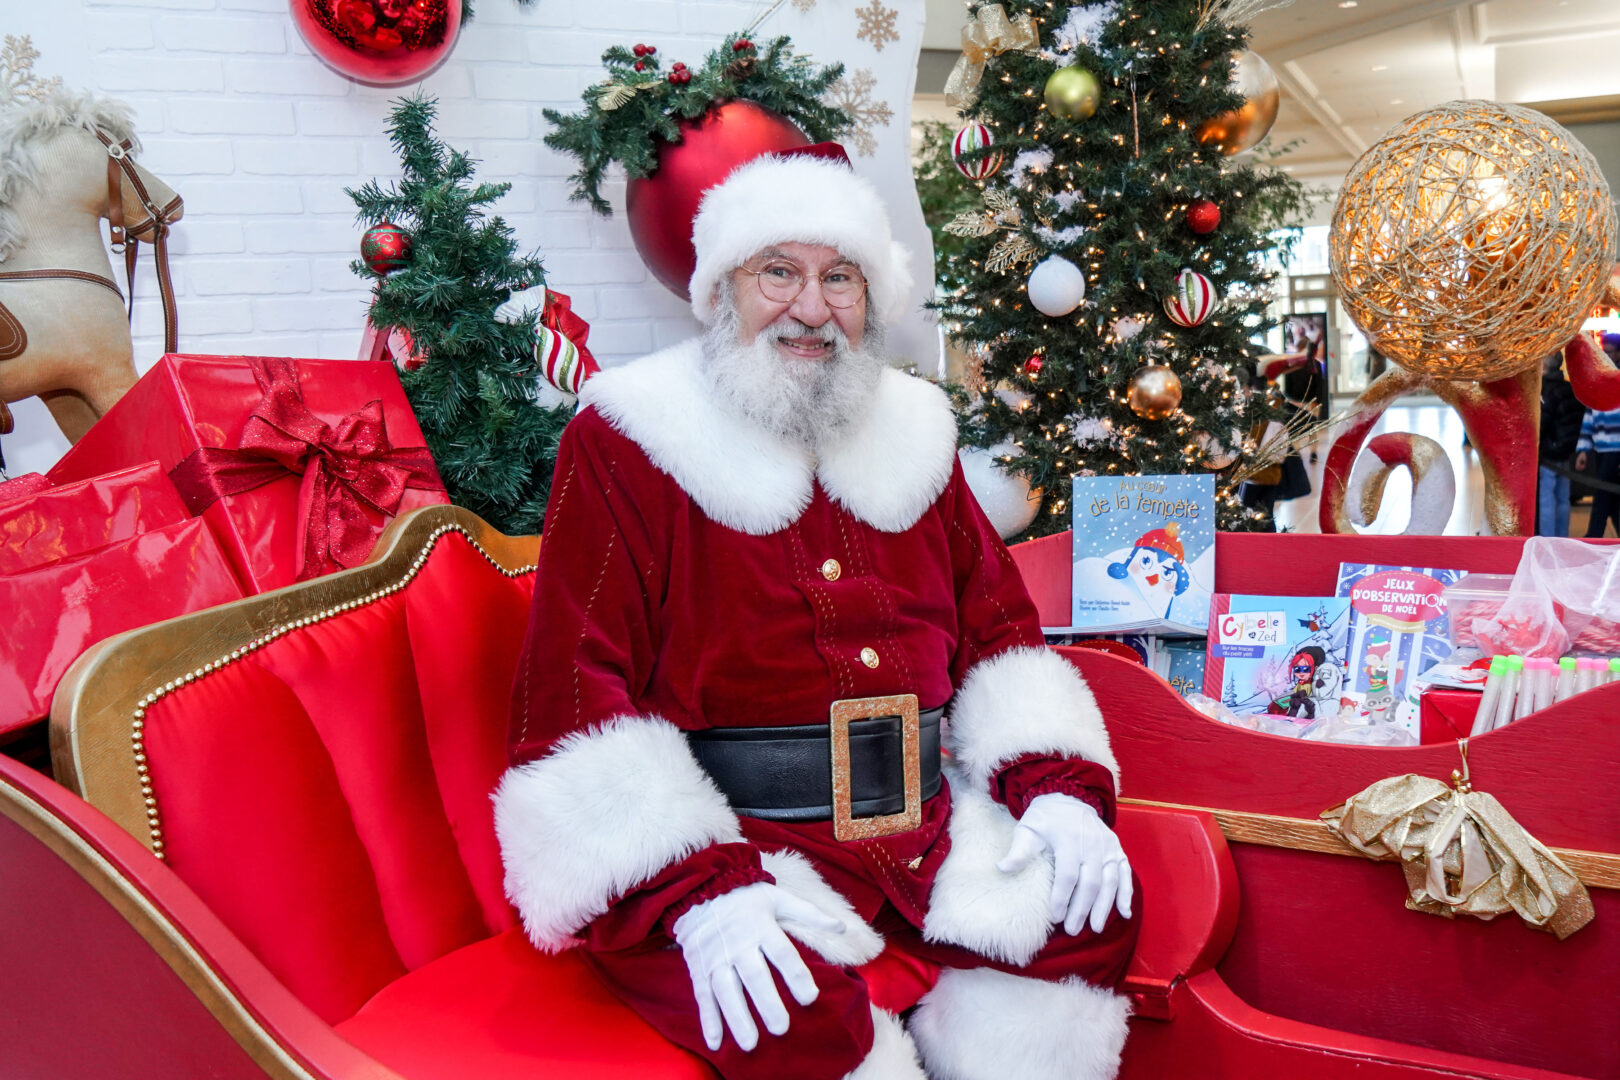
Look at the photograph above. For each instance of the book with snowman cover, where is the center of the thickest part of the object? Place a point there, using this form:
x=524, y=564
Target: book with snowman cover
x=1144, y=554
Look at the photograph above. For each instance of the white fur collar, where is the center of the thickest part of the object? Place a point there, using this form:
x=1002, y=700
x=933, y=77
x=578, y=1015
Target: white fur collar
x=886, y=471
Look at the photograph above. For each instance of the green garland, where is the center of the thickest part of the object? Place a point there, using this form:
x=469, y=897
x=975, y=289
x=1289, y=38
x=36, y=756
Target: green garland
x=629, y=113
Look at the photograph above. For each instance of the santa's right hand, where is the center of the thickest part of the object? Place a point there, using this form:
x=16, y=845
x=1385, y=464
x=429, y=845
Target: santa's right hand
x=727, y=942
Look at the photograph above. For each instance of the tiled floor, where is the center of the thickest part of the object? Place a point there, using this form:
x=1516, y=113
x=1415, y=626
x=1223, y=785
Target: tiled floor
x=1440, y=423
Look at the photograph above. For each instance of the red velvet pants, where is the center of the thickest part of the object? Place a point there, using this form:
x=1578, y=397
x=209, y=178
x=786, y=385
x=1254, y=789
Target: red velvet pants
x=829, y=1038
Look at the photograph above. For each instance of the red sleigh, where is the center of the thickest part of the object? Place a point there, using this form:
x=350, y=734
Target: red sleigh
x=313, y=765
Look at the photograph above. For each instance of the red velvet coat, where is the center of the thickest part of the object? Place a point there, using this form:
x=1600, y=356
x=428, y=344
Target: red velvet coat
x=697, y=574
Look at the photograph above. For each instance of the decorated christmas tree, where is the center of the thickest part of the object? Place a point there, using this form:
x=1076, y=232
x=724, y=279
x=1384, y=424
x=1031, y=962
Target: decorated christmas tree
x=443, y=268
x=1113, y=283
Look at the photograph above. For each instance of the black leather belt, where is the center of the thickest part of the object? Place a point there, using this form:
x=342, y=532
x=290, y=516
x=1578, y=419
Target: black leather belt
x=795, y=773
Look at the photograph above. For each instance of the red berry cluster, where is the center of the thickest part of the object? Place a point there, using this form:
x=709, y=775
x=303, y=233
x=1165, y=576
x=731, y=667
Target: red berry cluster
x=642, y=51
x=740, y=44
x=679, y=75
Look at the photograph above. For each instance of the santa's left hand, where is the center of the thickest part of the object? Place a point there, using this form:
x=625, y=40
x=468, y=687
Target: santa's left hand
x=1090, y=873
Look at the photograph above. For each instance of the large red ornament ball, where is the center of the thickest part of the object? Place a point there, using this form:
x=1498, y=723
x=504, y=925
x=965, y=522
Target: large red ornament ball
x=385, y=248
x=1203, y=216
x=661, y=207
x=975, y=137
x=1032, y=366
x=379, y=42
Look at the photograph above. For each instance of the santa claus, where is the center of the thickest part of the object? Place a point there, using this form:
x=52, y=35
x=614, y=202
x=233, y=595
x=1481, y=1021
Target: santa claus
x=766, y=600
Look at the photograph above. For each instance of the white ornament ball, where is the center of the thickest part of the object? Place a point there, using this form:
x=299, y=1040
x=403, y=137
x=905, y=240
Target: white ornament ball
x=1006, y=498
x=1057, y=286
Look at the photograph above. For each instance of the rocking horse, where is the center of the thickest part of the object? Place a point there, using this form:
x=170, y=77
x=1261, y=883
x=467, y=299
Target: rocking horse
x=65, y=163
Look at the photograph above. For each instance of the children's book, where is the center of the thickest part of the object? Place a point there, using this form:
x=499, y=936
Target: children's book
x=1283, y=655
x=1144, y=554
x=1398, y=630
x=1184, y=667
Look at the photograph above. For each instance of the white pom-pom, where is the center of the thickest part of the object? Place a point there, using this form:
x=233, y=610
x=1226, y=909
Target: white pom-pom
x=1007, y=499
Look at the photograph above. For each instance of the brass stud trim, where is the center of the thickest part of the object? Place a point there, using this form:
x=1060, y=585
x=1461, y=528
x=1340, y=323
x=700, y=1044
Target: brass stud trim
x=137, y=724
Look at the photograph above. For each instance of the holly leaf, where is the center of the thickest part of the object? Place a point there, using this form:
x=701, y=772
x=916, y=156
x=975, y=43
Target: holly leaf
x=971, y=224
x=1009, y=253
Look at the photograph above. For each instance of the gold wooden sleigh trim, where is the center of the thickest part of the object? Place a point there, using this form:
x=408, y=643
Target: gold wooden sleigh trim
x=1596, y=869
x=99, y=714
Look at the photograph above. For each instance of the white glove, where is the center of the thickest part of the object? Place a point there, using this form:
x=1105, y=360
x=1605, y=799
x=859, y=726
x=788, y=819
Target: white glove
x=1089, y=871
x=726, y=942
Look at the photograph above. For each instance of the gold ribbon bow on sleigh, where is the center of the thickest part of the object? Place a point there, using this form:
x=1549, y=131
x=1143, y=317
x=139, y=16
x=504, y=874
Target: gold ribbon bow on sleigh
x=1461, y=851
x=988, y=33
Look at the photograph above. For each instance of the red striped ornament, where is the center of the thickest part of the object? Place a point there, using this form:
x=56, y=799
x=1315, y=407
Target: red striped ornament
x=970, y=138
x=559, y=361
x=1193, y=301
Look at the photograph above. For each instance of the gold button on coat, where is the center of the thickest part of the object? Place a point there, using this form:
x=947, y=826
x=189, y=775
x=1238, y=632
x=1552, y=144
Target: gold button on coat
x=830, y=569
x=869, y=657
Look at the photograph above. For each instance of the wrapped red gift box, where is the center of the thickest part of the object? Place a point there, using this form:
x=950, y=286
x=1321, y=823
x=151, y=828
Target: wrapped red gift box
x=56, y=611
x=1446, y=715
x=53, y=523
x=297, y=464
x=19, y=486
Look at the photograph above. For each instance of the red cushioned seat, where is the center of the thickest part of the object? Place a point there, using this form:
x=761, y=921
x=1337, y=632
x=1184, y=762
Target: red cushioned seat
x=495, y=1009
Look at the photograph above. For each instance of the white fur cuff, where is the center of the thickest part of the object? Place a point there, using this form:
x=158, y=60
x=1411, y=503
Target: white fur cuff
x=1025, y=701
x=893, y=1055
x=606, y=810
x=988, y=1025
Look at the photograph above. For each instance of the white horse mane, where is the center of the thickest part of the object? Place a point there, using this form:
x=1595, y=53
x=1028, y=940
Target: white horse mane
x=22, y=124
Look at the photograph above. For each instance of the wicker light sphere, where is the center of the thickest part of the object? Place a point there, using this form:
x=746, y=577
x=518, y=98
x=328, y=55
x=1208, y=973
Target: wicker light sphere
x=1472, y=240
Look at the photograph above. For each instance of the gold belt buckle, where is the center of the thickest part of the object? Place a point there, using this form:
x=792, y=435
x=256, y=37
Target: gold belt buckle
x=845, y=826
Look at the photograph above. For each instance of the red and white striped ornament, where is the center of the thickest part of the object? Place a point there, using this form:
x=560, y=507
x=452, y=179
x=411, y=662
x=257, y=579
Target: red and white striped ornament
x=1193, y=300
x=559, y=361
x=970, y=138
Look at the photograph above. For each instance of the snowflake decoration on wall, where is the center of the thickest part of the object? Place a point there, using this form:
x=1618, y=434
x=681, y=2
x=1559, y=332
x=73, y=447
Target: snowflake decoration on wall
x=853, y=94
x=18, y=82
x=877, y=24
x=804, y=5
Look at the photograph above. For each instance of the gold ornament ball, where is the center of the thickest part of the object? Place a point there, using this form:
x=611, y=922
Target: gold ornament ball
x=1073, y=93
x=1236, y=131
x=1155, y=392
x=1472, y=240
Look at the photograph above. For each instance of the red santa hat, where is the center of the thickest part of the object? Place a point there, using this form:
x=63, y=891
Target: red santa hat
x=1166, y=540
x=808, y=197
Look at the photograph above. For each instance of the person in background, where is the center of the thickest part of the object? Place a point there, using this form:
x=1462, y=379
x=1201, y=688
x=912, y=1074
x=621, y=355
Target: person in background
x=1600, y=439
x=1561, y=417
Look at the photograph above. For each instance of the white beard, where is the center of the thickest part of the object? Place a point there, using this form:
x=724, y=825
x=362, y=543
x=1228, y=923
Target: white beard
x=806, y=402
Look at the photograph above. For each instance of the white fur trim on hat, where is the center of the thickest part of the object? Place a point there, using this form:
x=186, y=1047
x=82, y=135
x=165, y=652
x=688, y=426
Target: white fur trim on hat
x=606, y=810
x=805, y=200
x=984, y=1024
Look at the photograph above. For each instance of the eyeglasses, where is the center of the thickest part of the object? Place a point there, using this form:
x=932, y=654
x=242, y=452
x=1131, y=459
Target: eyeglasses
x=781, y=282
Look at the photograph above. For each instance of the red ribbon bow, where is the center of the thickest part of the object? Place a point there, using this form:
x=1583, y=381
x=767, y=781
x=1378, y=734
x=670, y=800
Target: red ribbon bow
x=346, y=470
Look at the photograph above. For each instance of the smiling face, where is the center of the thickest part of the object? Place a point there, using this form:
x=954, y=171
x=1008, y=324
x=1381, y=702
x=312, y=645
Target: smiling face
x=809, y=310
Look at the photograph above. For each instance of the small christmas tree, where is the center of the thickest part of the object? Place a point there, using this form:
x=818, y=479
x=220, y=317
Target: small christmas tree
x=475, y=390
x=1113, y=278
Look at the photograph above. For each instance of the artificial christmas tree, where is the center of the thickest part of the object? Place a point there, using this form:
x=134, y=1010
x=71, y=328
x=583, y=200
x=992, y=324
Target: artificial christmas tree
x=474, y=388
x=1144, y=357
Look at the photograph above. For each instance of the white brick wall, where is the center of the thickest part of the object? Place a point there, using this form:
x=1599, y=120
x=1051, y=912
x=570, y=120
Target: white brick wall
x=260, y=139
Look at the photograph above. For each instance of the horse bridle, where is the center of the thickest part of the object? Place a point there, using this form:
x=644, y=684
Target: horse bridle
x=120, y=166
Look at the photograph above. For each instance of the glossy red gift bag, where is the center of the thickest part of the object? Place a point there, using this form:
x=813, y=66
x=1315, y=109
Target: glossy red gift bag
x=296, y=464
x=46, y=523
x=83, y=561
